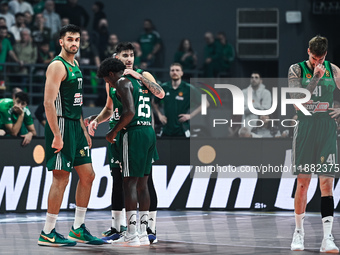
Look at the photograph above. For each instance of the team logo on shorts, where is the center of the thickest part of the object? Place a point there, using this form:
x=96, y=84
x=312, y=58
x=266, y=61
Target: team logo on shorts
x=322, y=159
x=82, y=153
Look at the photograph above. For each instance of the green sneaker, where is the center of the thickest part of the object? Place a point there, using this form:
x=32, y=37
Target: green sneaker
x=54, y=239
x=83, y=235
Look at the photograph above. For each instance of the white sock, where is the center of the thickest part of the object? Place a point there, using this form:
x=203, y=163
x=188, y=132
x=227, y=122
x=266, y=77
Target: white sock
x=131, y=218
x=79, y=217
x=327, y=223
x=152, y=221
x=116, y=219
x=299, y=219
x=123, y=219
x=143, y=221
x=50, y=222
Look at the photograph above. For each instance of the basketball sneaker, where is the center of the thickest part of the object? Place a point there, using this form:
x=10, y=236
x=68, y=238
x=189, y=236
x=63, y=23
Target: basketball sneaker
x=298, y=241
x=144, y=239
x=54, y=239
x=152, y=236
x=328, y=245
x=112, y=231
x=111, y=235
x=127, y=239
x=83, y=235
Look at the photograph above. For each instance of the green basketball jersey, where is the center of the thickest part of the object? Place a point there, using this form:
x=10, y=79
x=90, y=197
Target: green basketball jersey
x=142, y=100
x=70, y=97
x=117, y=105
x=322, y=97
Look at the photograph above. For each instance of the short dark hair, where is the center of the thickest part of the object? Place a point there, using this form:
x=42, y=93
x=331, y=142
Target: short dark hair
x=22, y=96
x=100, y=5
x=69, y=28
x=176, y=64
x=19, y=14
x=318, y=45
x=113, y=65
x=124, y=46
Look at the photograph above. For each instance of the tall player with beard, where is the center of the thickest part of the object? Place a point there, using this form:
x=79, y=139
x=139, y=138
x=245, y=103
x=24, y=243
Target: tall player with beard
x=67, y=142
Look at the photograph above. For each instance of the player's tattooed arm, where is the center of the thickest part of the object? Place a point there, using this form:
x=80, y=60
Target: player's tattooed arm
x=294, y=80
x=154, y=88
x=336, y=75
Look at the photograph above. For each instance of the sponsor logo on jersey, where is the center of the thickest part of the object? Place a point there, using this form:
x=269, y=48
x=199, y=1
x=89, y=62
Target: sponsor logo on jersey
x=70, y=69
x=180, y=93
x=115, y=115
x=143, y=123
x=167, y=93
x=179, y=98
x=78, y=99
x=308, y=75
x=313, y=107
x=327, y=73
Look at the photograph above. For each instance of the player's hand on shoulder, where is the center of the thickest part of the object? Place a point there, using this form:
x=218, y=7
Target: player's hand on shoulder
x=132, y=73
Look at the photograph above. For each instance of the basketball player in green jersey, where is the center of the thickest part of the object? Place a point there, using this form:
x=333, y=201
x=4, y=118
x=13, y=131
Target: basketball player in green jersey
x=314, y=142
x=125, y=53
x=138, y=141
x=67, y=142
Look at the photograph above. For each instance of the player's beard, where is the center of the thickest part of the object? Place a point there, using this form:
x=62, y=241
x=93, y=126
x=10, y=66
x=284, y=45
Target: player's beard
x=70, y=51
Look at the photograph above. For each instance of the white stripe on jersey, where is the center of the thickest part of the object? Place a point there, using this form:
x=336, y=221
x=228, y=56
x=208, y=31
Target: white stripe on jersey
x=126, y=172
x=58, y=105
x=61, y=124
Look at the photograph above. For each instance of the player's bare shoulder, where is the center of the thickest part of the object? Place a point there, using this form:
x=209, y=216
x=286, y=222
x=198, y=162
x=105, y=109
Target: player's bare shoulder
x=335, y=70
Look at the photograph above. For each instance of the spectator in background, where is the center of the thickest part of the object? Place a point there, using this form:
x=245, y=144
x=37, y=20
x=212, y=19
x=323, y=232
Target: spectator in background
x=212, y=56
x=88, y=56
x=6, y=48
x=186, y=56
x=9, y=36
x=150, y=43
x=52, y=19
x=97, y=9
x=20, y=6
x=65, y=21
x=26, y=52
x=268, y=129
x=9, y=17
x=18, y=26
x=28, y=19
x=244, y=132
x=176, y=103
x=111, y=46
x=228, y=53
x=45, y=56
x=100, y=36
x=40, y=33
x=75, y=12
x=16, y=118
x=40, y=114
x=261, y=97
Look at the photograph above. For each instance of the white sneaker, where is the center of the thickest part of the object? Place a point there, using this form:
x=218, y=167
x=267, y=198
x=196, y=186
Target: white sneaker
x=298, y=241
x=328, y=245
x=127, y=239
x=144, y=239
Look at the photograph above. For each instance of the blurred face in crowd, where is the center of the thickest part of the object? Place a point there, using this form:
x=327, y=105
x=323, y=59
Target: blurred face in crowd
x=209, y=38
x=147, y=26
x=65, y=21
x=3, y=22
x=84, y=36
x=186, y=45
x=70, y=42
x=176, y=72
x=39, y=19
x=25, y=36
x=19, y=20
x=315, y=60
x=49, y=6
x=113, y=39
x=3, y=33
x=255, y=80
x=127, y=57
x=3, y=8
x=28, y=17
